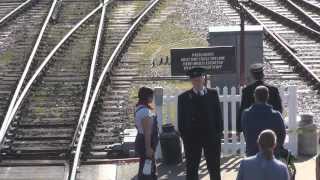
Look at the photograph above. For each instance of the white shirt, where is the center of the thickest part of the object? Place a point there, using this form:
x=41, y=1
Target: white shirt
x=202, y=92
x=141, y=114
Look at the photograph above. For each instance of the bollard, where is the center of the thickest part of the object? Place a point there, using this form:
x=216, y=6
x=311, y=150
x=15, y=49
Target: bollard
x=170, y=145
x=307, y=137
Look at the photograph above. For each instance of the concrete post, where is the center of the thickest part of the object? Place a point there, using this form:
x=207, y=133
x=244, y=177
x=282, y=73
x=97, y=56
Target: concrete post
x=158, y=100
x=293, y=111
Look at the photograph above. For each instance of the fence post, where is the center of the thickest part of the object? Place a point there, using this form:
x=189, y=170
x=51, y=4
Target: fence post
x=158, y=100
x=233, y=101
x=165, y=109
x=225, y=119
x=293, y=112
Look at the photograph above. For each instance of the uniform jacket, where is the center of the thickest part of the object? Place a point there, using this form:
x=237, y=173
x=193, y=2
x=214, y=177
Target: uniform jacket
x=257, y=118
x=247, y=99
x=215, y=123
x=258, y=168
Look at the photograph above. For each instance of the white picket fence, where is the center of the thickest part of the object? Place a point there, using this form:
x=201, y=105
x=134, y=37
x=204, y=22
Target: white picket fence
x=166, y=107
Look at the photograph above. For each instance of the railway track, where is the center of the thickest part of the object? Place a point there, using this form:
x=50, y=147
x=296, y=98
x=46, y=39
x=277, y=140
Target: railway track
x=108, y=120
x=290, y=49
x=73, y=102
x=17, y=38
x=311, y=7
x=11, y=9
x=43, y=123
x=303, y=41
x=66, y=79
x=292, y=10
x=104, y=119
x=7, y=6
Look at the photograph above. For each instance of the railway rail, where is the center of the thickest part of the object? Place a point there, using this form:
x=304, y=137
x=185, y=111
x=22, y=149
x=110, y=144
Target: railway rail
x=65, y=80
x=290, y=47
x=71, y=98
x=294, y=35
x=98, y=119
x=44, y=109
x=10, y=9
x=18, y=37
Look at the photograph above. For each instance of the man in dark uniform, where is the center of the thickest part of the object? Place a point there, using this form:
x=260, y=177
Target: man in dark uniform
x=247, y=98
x=200, y=125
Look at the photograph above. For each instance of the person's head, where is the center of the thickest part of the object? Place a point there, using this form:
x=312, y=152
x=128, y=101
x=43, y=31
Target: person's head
x=267, y=142
x=261, y=94
x=145, y=97
x=198, y=82
x=197, y=77
x=257, y=71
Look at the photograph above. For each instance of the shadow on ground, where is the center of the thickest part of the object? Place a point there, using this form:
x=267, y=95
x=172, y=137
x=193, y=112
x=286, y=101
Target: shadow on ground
x=177, y=172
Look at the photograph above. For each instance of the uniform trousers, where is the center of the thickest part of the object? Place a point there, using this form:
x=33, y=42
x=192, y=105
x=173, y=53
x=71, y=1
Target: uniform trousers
x=194, y=144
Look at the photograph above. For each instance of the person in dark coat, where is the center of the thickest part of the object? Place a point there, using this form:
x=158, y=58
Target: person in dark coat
x=261, y=116
x=247, y=98
x=200, y=125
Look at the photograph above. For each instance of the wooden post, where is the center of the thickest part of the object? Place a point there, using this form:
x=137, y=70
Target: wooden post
x=233, y=119
x=225, y=119
x=242, y=140
x=242, y=47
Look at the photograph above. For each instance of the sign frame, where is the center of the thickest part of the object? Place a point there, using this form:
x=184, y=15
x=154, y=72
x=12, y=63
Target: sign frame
x=217, y=60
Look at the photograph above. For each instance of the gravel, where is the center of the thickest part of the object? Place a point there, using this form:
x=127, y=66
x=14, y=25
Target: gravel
x=198, y=15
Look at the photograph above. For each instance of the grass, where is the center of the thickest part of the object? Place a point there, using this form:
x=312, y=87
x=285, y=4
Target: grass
x=139, y=6
x=6, y=57
x=39, y=110
x=170, y=36
x=134, y=94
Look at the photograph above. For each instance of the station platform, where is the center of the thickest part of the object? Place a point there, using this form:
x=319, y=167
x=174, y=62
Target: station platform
x=127, y=171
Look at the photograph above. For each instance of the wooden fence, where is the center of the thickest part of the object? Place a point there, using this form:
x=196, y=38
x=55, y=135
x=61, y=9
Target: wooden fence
x=166, y=108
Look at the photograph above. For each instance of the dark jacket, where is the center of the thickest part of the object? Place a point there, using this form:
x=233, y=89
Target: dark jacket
x=257, y=118
x=185, y=113
x=247, y=99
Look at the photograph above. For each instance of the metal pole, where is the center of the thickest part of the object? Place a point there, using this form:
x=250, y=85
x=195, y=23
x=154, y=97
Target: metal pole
x=242, y=48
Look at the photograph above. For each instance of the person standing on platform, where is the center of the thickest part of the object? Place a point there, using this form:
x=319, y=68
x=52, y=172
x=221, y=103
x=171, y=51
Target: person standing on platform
x=264, y=166
x=200, y=125
x=147, y=137
x=261, y=116
x=247, y=98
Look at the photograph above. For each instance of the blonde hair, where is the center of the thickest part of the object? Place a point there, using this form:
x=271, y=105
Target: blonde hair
x=267, y=141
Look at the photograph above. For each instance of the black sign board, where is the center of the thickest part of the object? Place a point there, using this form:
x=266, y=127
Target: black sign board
x=216, y=60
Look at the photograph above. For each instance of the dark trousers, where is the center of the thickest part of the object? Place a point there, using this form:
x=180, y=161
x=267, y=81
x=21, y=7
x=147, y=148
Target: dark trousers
x=153, y=175
x=140, y=149
x=193, y=150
